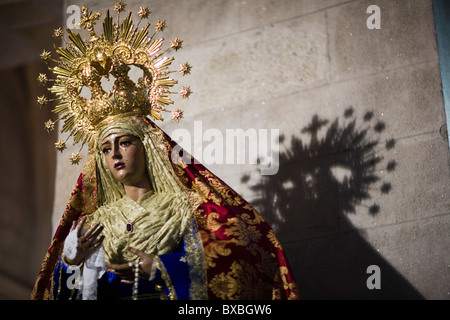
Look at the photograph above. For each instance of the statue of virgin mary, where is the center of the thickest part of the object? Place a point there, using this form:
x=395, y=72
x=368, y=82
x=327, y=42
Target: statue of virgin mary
x=142, y=222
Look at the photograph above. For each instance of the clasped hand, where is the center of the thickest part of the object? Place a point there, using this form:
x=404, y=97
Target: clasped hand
x=126, y=270
x=90, y=241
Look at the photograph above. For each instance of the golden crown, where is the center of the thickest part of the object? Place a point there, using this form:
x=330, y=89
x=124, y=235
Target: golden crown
x=83, y=64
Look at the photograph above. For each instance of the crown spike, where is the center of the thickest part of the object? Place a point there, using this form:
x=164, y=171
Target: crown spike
x=108, y=29
x=126, y=27
x=140, y=37
x=77, y=41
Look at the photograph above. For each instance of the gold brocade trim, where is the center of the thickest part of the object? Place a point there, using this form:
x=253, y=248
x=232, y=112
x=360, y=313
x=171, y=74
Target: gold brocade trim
x=242, y=233
x=288, y=285
x=180, y=173
x=196, y=262
x=112, y=118
x=241, y=229
x=165, y=276
x=195, y=199
x=86, y=200
x=284, y=284
x=205, y=190
x=226, y=193
x=214, y=249
x=52, y=288
x=217, y=192
x=276, y=294
x=273, y=239
x=241, y=282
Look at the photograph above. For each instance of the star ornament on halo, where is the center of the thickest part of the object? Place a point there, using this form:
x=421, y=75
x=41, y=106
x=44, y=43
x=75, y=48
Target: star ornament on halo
x=177, y=115
x=45, y=56
x=42, y=78
x=160, y=25
x=75, y=158
x=177, y=44
x=49, y=126
x=119, y=6
x=185, y=69
x=58, y=33
x=144, y=12
x=42, y=100
x=60, y=145
x=185, y=92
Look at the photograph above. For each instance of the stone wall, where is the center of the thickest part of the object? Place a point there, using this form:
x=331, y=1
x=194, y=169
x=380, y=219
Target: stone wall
x=363, y=173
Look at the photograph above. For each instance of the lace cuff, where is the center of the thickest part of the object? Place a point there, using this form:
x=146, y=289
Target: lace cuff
x=94, y=265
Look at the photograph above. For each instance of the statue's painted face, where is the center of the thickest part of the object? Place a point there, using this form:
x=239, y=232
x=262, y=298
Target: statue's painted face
x=125, y=158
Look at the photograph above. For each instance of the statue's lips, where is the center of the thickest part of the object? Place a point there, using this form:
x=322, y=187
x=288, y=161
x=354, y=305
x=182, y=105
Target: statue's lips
x=119, y=165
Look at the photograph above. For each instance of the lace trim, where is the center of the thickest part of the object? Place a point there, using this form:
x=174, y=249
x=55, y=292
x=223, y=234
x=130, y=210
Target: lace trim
x=93, y=267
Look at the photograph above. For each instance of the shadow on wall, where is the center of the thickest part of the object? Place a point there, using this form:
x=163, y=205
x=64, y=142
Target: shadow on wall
x=308, y=202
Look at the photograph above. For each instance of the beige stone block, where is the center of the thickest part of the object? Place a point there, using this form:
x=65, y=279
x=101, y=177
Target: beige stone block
x=193, y=21
x=200, y=21
x=406, y=37
x=408, y=100
x=254, y=65
x=258, y=13
x=401, y=103
x=217, y=140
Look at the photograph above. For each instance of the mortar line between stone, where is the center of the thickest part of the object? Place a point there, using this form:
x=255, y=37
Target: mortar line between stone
x=359, y=230
x=362, y=76
x=232, y=34
x=323, y=85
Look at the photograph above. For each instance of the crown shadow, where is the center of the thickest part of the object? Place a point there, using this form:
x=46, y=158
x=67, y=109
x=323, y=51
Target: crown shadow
x=308, y=203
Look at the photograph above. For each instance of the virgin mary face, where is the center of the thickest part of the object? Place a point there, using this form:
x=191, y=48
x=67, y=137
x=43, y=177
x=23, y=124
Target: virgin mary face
x=125, y=157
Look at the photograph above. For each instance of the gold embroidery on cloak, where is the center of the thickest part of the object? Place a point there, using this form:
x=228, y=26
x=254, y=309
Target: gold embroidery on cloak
x=227, y=194
x=241, y=282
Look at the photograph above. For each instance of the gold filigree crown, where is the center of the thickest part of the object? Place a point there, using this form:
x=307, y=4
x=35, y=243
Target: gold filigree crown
x=110, y=55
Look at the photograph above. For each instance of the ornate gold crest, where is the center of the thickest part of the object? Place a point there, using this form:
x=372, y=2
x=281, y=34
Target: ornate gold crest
x=109, y=56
